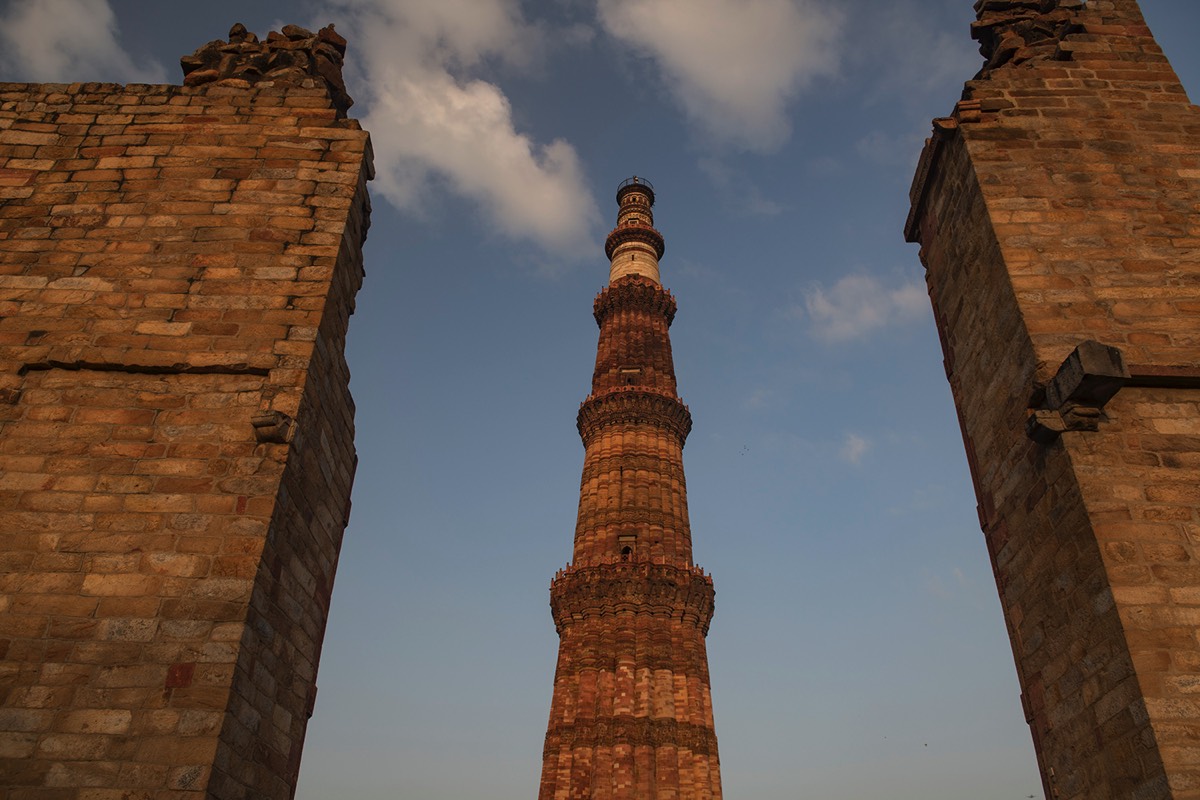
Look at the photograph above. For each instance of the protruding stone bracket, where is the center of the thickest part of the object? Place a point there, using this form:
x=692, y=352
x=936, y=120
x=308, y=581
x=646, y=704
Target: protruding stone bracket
x=311, y=702
x=1090, y=376
x=1045, y=426
x=273, y=427
x=1076, y=395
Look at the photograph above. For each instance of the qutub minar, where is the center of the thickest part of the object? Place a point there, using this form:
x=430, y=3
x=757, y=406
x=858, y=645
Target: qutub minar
x=632, y=715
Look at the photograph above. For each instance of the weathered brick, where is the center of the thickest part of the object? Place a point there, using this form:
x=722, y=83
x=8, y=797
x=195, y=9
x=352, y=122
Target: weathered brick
x=136, y=495
x=95, y=721
x=1050, y=214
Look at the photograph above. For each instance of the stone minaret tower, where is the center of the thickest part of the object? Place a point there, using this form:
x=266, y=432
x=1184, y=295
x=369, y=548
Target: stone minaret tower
x=631, y=717
x=1056, y=212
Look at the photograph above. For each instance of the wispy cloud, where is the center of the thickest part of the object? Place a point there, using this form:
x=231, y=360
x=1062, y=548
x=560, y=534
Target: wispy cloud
x=854, y=448
x=912, y=57
x=734, y=65
x=946, y=587
x=750, y=201
x=824, y=166
x=891, y=150
x=859, y=305
x=68, y=40
x=435, y=123
x=923, y=500
x=761, y=397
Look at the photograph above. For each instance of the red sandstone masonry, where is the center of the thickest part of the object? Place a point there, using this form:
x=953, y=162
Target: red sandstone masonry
x=1057, y=206
x=631, y=716
x=177, y=270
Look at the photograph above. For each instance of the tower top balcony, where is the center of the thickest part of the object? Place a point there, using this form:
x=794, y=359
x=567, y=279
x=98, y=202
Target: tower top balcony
x=635, y=184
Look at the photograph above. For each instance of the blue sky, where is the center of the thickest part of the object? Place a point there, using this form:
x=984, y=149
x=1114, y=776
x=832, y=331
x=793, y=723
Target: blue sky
x=858, y=648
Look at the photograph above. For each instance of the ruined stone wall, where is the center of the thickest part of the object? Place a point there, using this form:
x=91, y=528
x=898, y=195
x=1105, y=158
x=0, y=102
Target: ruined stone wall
x=177, y=269
x=1057, y=214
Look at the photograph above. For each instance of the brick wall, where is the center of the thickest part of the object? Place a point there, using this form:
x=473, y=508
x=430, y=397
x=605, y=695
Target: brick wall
x=177, y=269
x=1056, y=211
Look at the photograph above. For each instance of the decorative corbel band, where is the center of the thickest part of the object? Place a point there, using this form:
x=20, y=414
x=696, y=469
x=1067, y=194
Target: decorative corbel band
x=273, y=427
x=634, y=233
x=638, y=587
x=634, y=292
x=630, y=730
x=1075, y=397
x=632, y=406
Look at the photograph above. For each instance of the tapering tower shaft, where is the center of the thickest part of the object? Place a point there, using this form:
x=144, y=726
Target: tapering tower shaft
x=631, y=717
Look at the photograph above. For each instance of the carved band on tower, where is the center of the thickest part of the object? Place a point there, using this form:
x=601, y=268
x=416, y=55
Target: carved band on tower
x=631, y=716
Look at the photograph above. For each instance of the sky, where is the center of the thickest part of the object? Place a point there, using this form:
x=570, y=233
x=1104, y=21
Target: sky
x=858, y=649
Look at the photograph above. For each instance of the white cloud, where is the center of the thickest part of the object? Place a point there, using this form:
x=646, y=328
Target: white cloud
x=854, y=448
x=65, y=41
x=733, y=64
x=431, y=122
x=859, y=305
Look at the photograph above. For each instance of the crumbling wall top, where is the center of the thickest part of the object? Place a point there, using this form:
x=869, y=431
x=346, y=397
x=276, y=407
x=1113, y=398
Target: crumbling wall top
x=291, y=57
x=1015, y=31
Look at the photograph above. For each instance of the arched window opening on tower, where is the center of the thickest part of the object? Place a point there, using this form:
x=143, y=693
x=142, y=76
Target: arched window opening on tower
x=627, y=542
